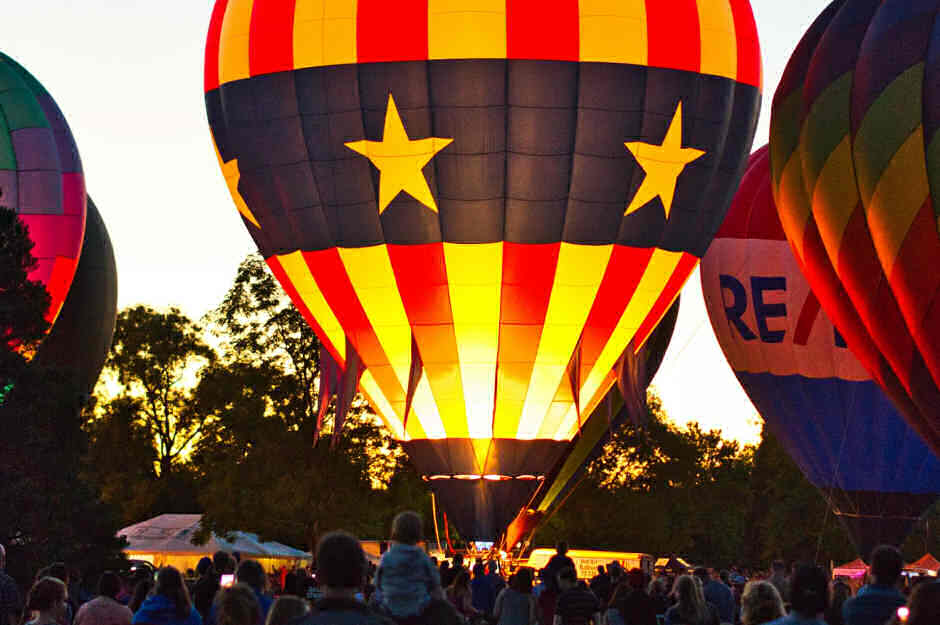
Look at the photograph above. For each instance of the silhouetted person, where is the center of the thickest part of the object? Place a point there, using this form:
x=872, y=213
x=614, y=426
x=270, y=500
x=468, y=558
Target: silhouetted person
x=105, y=609
x=878, y=601
x=10, y=604
x=809, y=597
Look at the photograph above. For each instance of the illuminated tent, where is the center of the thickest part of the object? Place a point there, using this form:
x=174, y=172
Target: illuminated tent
x=166, y=540
x=834, y=421
x=673, y=565
x=853, y=570
x=856, y=176
x=926, y=565
x=478, y=205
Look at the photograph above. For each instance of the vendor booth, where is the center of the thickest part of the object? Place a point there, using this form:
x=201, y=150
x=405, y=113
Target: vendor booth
x=166, y=540
x=854, y=570
x=927, y=566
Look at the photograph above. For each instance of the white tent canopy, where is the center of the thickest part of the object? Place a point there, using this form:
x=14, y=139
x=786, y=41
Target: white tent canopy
x=166, y=540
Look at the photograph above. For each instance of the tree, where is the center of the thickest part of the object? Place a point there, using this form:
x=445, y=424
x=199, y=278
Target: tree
x=258, y=466
x=260, y=326
x=23, y=302
x=49, y=511
x=790, y=519
x=157, y=357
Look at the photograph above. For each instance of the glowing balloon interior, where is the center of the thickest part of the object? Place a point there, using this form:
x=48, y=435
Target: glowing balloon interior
x=486, y=201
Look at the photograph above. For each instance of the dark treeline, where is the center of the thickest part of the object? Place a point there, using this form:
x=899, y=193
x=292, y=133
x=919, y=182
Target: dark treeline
x=217, y=416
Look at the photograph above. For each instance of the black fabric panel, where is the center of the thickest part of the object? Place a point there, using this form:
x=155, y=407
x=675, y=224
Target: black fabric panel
x=80, y=340
x=745, y=112
x=480, y=509
x=873, y=518
x=537, y=156
x=469, y=104
x=507, y=456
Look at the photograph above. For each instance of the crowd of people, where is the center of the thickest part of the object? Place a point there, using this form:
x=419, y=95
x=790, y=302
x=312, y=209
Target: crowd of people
x=410, y=588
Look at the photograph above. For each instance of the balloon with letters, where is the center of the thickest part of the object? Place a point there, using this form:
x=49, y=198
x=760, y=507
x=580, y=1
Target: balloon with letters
x=835, y=422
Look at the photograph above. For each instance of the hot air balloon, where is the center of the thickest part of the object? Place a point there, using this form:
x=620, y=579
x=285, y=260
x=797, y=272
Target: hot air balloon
x=80, y=340
x=41, y=178
x=846, y=436
x=478, y=205
x=855, y=174
x=625, y=402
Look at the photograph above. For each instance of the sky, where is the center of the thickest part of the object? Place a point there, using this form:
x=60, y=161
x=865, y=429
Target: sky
x=128, y=76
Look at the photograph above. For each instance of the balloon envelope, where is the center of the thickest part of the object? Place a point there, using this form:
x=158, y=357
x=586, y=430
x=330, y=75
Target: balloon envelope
x=41, y=178
x=834, y=421
x=486, y=202
x=856, y=176
x=80, y=340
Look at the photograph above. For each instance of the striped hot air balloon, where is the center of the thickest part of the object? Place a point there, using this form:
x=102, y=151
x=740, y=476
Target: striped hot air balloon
x=482, y=201
x=41, y=178
x=855, y=177
x=846, y=436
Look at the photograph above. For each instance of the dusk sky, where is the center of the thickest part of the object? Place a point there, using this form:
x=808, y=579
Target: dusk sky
x=128, y=76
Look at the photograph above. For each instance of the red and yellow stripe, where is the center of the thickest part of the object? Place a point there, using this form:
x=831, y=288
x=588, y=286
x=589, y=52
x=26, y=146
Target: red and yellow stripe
x=255, y=37
x=497, y=327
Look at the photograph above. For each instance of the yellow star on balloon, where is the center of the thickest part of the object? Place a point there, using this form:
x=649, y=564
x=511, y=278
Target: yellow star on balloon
x=662, y=163
x=400, y=160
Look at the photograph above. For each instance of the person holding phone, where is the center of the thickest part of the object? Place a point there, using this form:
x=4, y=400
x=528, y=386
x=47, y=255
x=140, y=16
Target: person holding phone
x=924, y=608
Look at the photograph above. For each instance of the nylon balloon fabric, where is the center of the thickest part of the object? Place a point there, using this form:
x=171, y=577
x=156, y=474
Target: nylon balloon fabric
x=855, y=177
x=489, y=199
x=844, y=433
x=80, y=340
x=41, y=178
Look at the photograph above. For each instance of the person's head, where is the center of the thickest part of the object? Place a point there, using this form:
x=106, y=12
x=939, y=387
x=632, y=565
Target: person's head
x=702, y=574
x=458, y=560
x=886, y=565
x=251, y=573
x=839, y=593
x=141, y=590
x=725, y=577
x=433, y=561
x=48, y=595
x=567, y=578
x=222, y=562
x=522, y=581
x=925, y=604
x=58, y=570
x=492, y=567
x=690, y=600
x=760, y=603
x=170, y=585
x=407, y=528
x=809, y=591
x=341, y=562
x=478, y=569
x=658, y=586
x=562, y=547
x=445, y=565
x=237, y=605
x=779, y=567
x=600, y=569
x=204, y=567
x=636, y=579
x=286, y=609
x=109, y=585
